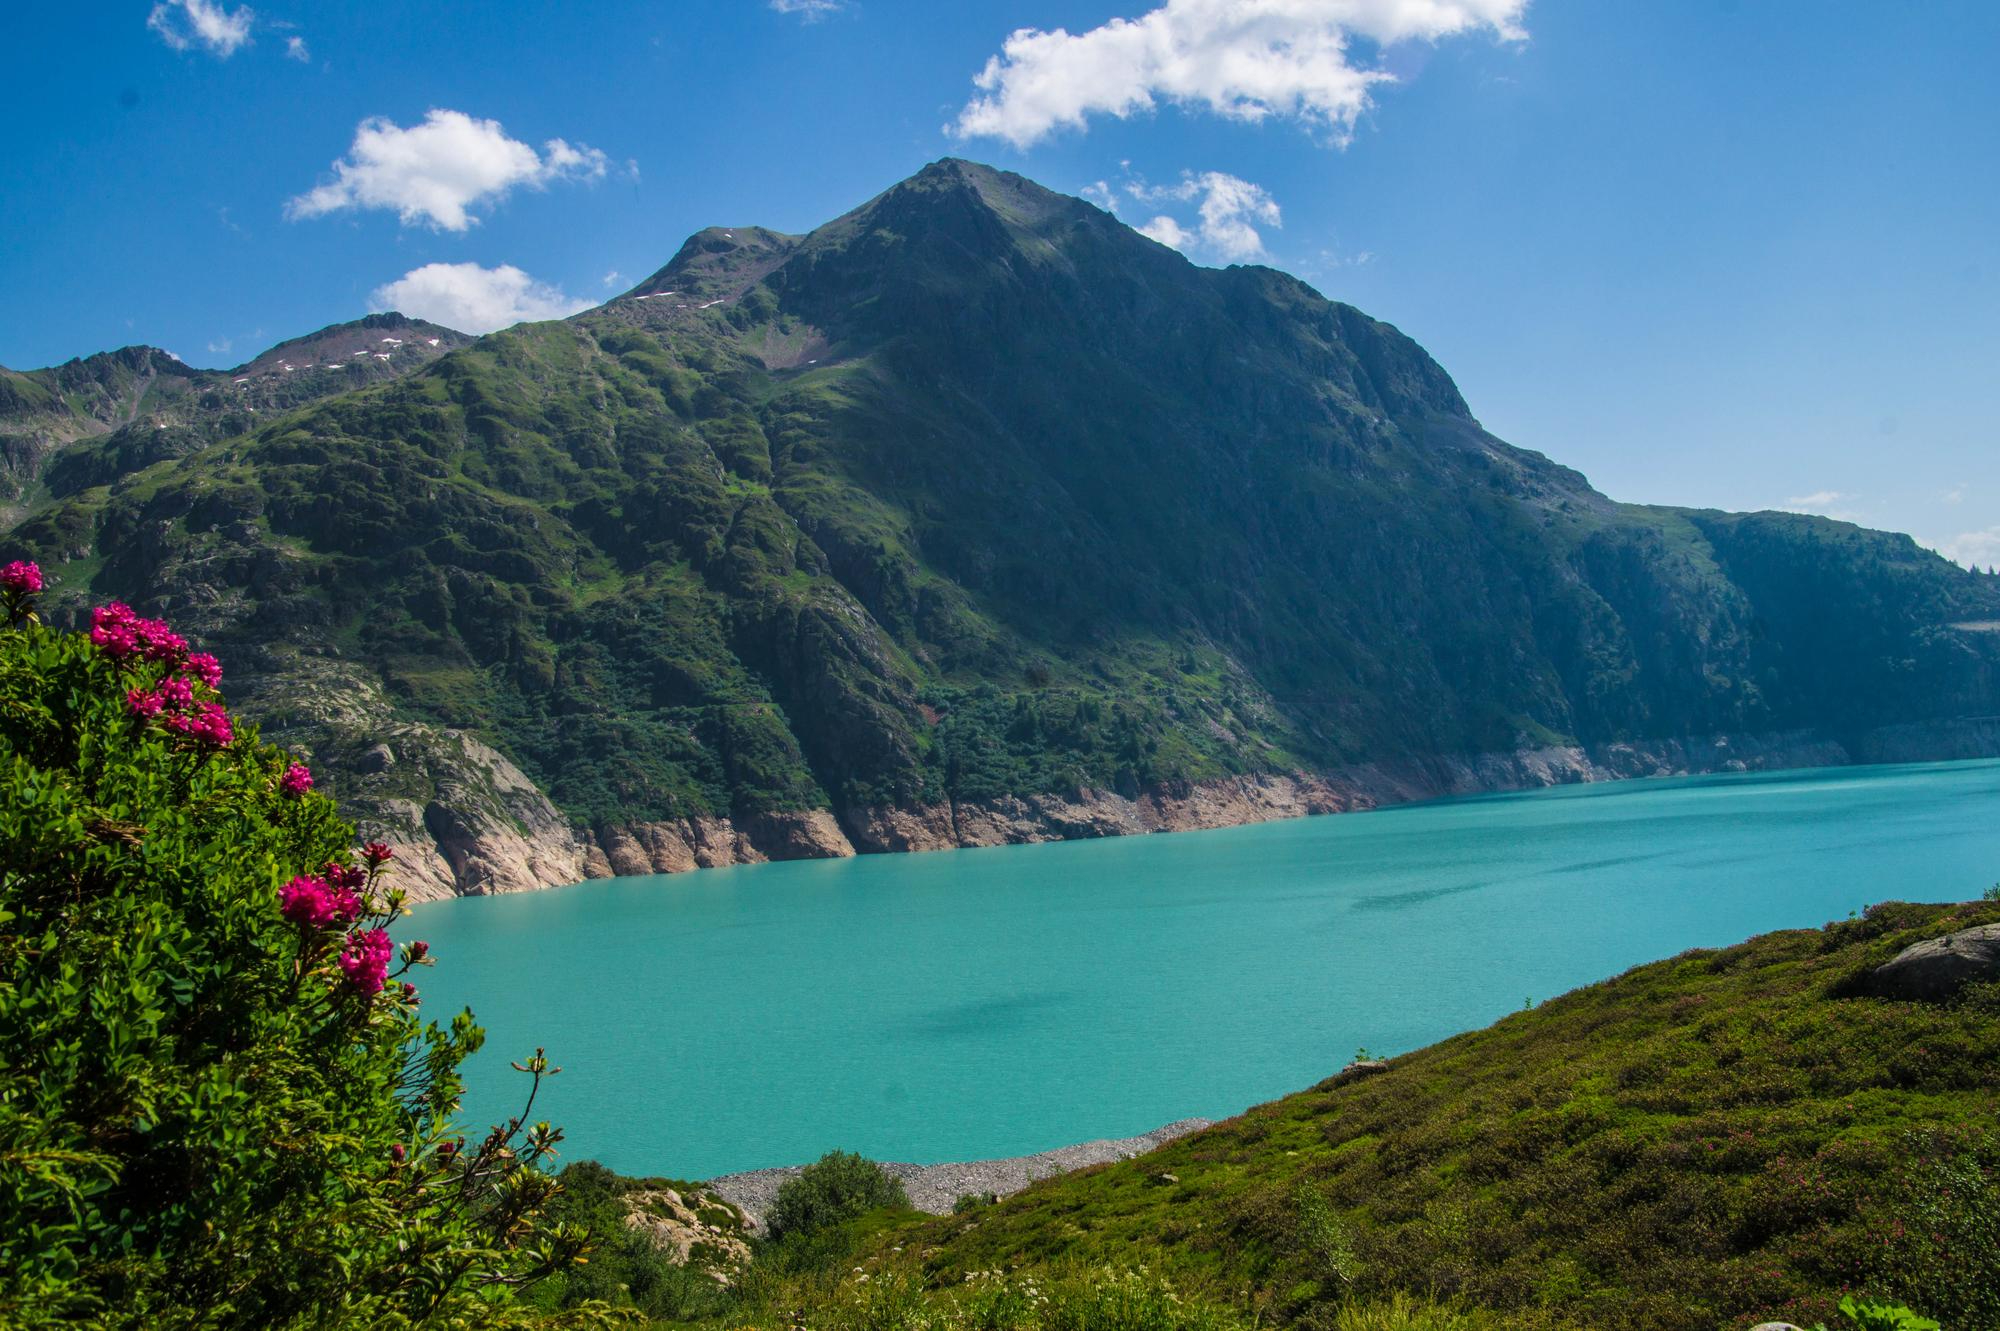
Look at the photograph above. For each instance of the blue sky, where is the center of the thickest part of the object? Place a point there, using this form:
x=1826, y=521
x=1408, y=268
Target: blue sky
x=1739, y=253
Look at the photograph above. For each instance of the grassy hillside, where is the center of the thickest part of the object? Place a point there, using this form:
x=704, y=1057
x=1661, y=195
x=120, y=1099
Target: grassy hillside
x=1699, y=1143
x=977, y=493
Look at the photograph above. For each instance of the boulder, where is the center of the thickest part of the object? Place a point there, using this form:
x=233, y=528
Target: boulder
x=1937, y=968
x=1366, y=1067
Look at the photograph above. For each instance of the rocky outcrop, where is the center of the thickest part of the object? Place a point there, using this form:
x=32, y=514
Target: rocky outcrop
x=682, y=844
x=1265, y=797
x=694, y=1229
x=1936, y=969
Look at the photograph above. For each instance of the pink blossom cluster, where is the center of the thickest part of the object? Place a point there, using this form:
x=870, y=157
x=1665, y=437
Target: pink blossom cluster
x=377, y=853
x=209, y=723
x=21, y=578
x=296, y=781
x=313, y=902
x=121, y=634
x=366, y=961
x=344, y=875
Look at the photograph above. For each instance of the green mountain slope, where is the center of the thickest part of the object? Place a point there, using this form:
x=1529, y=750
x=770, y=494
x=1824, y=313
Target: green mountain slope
x=139, y=405
x=976, y=516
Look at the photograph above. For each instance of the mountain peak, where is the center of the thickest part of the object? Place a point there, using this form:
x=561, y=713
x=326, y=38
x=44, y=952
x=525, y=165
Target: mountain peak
x=378, y=336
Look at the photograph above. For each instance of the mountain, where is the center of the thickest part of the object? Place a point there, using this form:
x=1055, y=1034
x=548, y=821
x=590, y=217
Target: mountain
x=974, y=516
x=139, y=405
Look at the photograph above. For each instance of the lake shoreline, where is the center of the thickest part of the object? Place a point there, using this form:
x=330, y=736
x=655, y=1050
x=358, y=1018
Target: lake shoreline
x=480, y=860
x=934, y=1188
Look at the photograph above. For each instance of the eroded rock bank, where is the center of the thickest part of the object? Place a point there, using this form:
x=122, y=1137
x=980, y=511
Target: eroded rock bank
x=467, y=822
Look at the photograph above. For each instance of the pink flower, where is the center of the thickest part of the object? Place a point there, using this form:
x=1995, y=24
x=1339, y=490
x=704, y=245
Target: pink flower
x=317, y=904
x=376, y=853
x=119, y=633
x=419, y=950
x=397, y=1153
x=409, y=993
x=209, y=723
x=176, y=693
x=111, y=630
x=296, y=781
x=21, y=578
x=158, y=642
x=205, y=668
x=342, y=875
x=366, y=961
x=143, y=704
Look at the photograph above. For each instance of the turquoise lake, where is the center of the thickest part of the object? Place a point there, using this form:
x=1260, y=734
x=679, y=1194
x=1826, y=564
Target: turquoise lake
x=982, y=1003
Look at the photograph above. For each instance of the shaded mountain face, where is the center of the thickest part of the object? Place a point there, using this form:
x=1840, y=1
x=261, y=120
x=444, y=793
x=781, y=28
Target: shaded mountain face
x=972, y=494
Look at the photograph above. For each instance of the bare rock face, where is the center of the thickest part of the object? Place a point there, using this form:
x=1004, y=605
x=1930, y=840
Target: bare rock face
x=887, y=829
x=681, y=844
x=463, y=820
x=1936, y=969
x=696, y=1229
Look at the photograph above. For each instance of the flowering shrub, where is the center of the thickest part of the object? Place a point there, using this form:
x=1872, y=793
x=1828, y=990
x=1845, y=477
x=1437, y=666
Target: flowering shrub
x=219, y=1106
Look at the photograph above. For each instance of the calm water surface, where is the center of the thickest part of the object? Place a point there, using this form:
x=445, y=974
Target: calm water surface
x=995, y=1002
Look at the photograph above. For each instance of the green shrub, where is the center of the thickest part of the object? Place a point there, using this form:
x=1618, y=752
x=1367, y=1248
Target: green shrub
x=219, y=1106
x=836, y=1188
x=1877, y=1315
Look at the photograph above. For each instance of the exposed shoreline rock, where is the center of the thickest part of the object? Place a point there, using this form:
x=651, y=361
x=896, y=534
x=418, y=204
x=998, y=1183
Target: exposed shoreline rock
x=934, y=1188
x=486, y=829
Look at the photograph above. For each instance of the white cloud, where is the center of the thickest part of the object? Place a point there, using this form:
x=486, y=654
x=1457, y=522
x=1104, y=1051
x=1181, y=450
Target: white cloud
x=473, y=299
x=220, y=346
x=812, y=11
x=437, y=170
x=1244, y=59
x=1230, y=211
x=185, y=24
x=611, y=278
x=1972, y=549
x=1167, y=231
x=296, y=48
x=1824, y=503
x=1955, y=495
x=1101, y=194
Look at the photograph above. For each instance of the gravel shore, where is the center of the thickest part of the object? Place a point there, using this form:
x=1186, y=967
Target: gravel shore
x=934, y=1188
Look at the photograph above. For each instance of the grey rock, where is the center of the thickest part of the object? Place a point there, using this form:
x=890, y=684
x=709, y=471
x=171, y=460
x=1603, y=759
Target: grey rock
x=1776, y=1326
x=378, y=758
x=1937, y=968
x=1367, y=1067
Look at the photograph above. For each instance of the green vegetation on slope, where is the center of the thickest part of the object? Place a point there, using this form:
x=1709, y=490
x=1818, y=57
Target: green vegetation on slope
x=974, y=493
x=1699, y=1143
